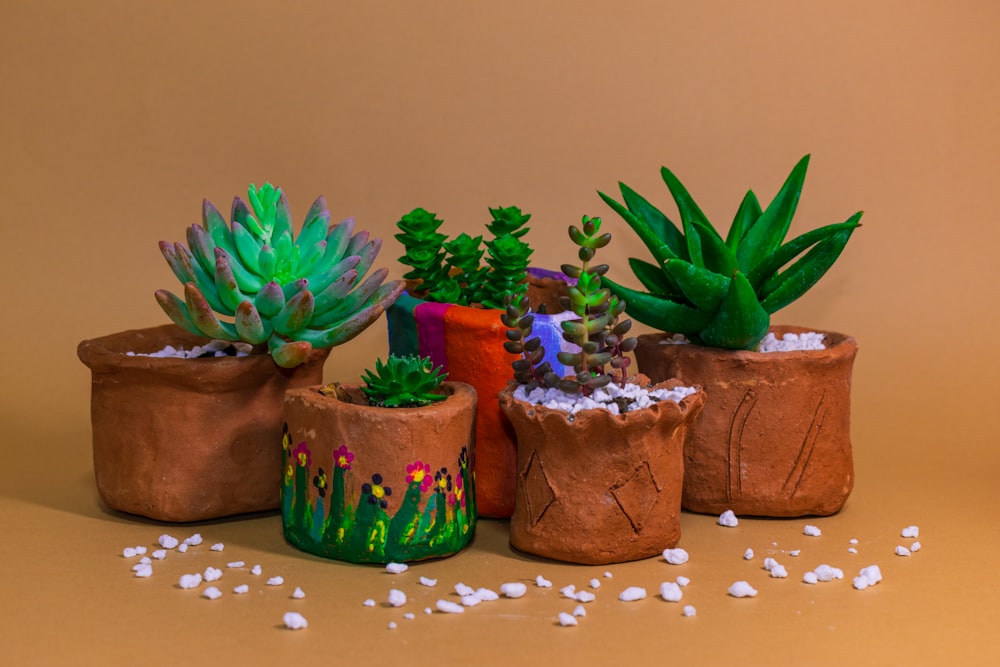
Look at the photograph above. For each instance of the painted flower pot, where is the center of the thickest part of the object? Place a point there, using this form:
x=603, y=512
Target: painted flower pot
x=369, y=484
x=774, y=437
x=187, y=439
x=599, y=488
x=468, y=343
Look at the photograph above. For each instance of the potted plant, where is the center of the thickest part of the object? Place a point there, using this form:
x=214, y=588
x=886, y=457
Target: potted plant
x=381, y=472
x=180, y=439
x=451, y=313
x=599, y=456
x=774, y=437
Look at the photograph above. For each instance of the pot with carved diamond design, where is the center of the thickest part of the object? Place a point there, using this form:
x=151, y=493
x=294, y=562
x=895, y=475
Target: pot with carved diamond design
x=595, y=487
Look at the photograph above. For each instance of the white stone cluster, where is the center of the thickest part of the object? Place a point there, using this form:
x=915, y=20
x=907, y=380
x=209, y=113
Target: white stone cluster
x=215, y=348
x=557, y=399
x=791, y=342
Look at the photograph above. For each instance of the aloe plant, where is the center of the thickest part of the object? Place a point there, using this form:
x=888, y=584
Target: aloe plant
x=403, y=382
x=722, y=292
x=293, y=293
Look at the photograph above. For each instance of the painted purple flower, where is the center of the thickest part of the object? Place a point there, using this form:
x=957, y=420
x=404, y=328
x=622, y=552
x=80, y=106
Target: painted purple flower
x=302, y=456
x=343, y=457
x=376, y=492
x=319, y=481
x=442, y=482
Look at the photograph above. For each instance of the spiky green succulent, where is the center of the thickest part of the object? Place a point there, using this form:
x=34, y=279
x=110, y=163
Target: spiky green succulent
x=294, y=294
x=403, y=382
x=722, y=293
x=423, y=248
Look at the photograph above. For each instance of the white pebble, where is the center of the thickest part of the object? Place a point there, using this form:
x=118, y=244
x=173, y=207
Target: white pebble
x=748, y=554
x=194, y=540
x=143, y=570
x=236, y=563
x=190, y=580
x=632, y=594
x=298, y=593
x=256, y=570
x=683, y=581
x=902, y=551
x=167, y=541
x=916, y=546
x=689, y=610
x=513, y=590
x=470, y=600
x=428, y=610
x=828, y=573
x=810, y=578
x=860, y=583
x=852, y=550
x=872, y=574
x=675, y=556
x=392, y=625
x=160, y=554
x=779, y=571
x=542, y=582
x=671, y=592
x=182, y=549
x=446, y=607
x=275, y=581
x=145, y=560
x=853, y=540
x=911, y=531
x=424, y=581
x=295, y=621
x=242, y=589
x=219, y=546
x=812, y=531
x=728, y=519
x=396, y=568
x=212, y=573
x=769, y=563
x=566, y=619
x=397, y=598
x=568, y=591
x=140, y=550
x=212, y=593
x=369, y=603
x=595, y=583
x=742, y=589
x=409, y=616
x=129, y=552
x=462, y=590
x=794, y=553
x=486, y=595
x=579, y=611
x=608, y=575
x=584, y=596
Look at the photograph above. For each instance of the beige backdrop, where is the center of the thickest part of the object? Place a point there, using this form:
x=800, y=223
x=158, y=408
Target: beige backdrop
x=117, y=118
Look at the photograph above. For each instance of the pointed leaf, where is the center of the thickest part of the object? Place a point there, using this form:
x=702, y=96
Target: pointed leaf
x=288, y=354
x=661, y=225
x=657, y=247
x=792, y=283
x=746, y=216
x=204, y=318
x=740, y=322
x=249, y=325
x=703, y=288
x=765, y=235
x=176, y=310
x=789, y=251
x=659, y=312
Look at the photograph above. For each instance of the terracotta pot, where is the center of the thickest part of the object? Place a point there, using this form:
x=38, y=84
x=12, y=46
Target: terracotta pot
x=599, y=488
x=468, y=343
x=774, y=437
x=370, y=484
x=186, y=439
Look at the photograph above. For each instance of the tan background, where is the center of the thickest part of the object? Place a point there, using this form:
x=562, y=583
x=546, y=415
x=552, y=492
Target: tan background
x=117, y=118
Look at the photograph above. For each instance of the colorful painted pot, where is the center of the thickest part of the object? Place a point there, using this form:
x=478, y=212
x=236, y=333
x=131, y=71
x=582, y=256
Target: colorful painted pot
x=468, y=343
x=187, y=439
x=369, y=484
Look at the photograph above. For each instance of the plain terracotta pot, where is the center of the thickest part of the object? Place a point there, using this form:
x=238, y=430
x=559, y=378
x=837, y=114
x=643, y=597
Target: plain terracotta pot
x=369, y=484
x=599, y=488
x=187, y=439
x=468, y=343
x=774, y=437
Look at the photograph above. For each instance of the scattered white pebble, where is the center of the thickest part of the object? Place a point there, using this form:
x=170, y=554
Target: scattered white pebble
x=542, y=582
x=795, y=553
x=566, y=619
x=409, y=616
x=828, y=573
x=579, y=612
x=853, y=540
x=424, y=581
x=675, y=556
x=742, y=589
x=810, y=578
x=396, y=568
x=916, y=546
x=167, y=541
x=446, y=607
x=392, y=625
x=159, y=554
x=218, y=546
x=872, y=573
x=779, y=571
x=513, y=589
x=748, y=554
x=486, y=595
x=190, y=580
x=212, y=573
x=212, y=593
x=145, y=560
x=462, y=590
x=143, y=570
x=182, y=548
x=911, y=531
x=852, y=550
x=812, y=531
x=769, y=563
x=595, y=583
x=902, y=551
x=236, y=563
x=683, y=581
x=671, y=592
x=194, y=540
x=275, y=581
x=298, y=593
x=295, y=621
x=608, y=575
x=584, y=596
x=568, y=591
x=242, y=589
x=428, y=610
x=470, y=600
x=369, y=603
x=397, y=598
x=728, y=519
x=256, y=570
x=632, y=593
x=689, y=610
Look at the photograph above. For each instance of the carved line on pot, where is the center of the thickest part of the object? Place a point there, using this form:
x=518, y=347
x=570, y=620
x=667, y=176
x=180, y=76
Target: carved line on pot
x=734, y=483
x=538, y=492
x=632, y=494
x=806, y=450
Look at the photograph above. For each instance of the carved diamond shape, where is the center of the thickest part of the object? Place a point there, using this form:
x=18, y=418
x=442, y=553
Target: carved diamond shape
x=538, y=493
x=636, y=495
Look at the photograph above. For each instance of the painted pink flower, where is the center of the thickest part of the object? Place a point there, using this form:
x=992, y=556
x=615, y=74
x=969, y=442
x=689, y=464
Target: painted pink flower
x=418, y=471
x=302, y=456
x=343, y=457
x=457, y=497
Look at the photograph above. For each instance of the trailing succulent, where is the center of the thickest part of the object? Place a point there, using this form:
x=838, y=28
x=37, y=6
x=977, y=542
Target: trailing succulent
x=451, y=272
x=598, y=330
x=721, y=293
x=403, y=382
x=294, y=294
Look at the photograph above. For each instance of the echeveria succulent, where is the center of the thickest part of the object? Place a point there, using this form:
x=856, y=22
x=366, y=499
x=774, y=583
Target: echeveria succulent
x=722, y=293
x=293, y=293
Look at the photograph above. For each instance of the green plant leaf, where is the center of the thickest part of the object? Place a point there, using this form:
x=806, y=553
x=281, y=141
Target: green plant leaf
x=660, y=312
x=789, y=251
x=740, y=322
x=662, y=226
x=765, y=235
x=657, y=247
x=746, y=216
x=703, y=288
x=654, y=278
x=715, y=254
x=795, y=281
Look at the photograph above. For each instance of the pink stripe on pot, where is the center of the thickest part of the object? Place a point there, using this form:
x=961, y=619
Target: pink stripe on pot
x=430, y=331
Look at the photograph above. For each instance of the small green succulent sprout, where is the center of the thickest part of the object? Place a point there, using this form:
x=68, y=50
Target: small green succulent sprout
x=403, y=382
x=722, y=292
x=293, y=293
x=423, y=248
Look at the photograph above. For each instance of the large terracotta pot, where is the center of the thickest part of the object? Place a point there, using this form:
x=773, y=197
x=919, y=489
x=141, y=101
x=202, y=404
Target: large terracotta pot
x=774, y=437
x=371, y=484
x=186, y=439
x=468, y=343
x=599, y=488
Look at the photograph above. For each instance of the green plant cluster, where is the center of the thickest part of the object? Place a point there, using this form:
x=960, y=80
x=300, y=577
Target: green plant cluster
x=721, y=292
x=293, y=293
x=403, y=382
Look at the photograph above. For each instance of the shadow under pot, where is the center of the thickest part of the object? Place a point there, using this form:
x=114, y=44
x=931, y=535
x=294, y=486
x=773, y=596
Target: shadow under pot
x=597, y=488
x=187, y=439
x=774, y=437
x=369, y=484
